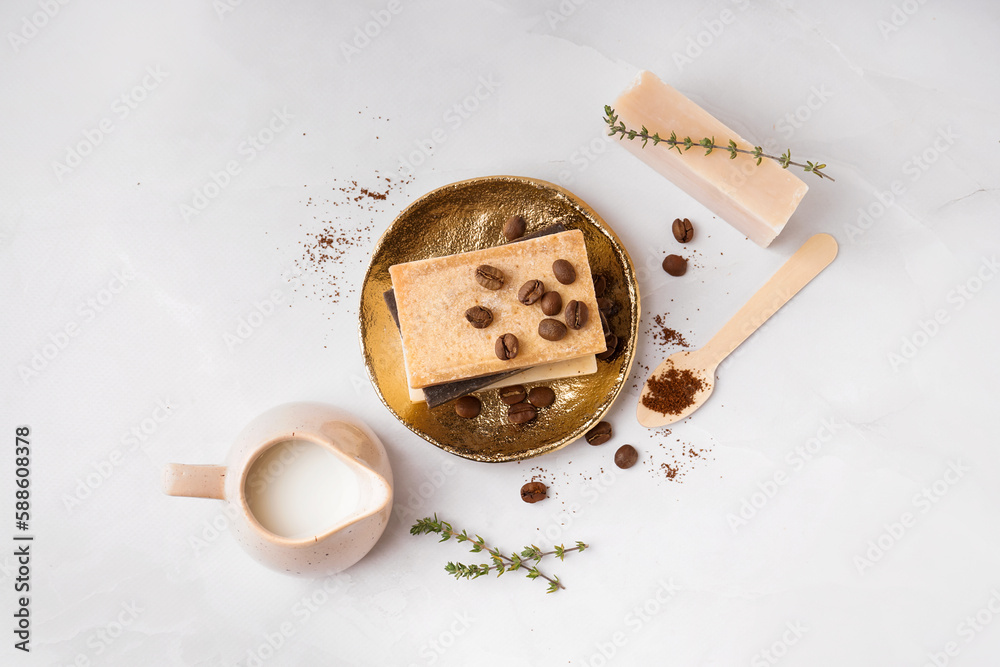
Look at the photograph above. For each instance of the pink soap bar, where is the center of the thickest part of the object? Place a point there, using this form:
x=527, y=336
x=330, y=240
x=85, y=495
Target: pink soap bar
x=755, y=199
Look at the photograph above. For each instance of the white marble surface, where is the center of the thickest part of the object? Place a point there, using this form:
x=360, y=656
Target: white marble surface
x=899, y=98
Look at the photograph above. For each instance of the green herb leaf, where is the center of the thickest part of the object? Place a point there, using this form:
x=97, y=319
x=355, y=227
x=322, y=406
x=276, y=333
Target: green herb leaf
x=499, y=562
x=708, y=143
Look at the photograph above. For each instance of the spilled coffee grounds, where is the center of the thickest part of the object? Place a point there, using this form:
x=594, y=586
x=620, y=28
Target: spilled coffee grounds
x=664, y=335
x=672, y=391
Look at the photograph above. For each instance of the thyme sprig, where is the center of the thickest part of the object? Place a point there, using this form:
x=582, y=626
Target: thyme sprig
x=500, y=562
x=615, y=127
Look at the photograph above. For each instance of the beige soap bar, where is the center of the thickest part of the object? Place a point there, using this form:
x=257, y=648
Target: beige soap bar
x=554, y=371
x=755, y=199
x=432, y=295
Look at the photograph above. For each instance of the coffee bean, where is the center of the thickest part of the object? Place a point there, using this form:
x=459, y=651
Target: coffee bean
x=600, y=284
x=607, y=306
x=551, y=303
x=489, y=277
x=683, y=230
x=605, y=326
x=513, y=394
x=564, y=271
x=479, y=317
x=506, y=347
x=521, y=413
x=611, y=343
x=530, y=292
x=600, y=434
x=541, y=397
x=550, y=329
x=514, y=227
x=532, y=492
x=576, y=314
x=626, y=456
x=468, y=407
x=675, y=265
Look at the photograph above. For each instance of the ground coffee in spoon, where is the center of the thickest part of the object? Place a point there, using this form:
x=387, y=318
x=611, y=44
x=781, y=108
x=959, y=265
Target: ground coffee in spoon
x=672, y=391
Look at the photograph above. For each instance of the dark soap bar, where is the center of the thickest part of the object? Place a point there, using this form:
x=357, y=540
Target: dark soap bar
x=554, y=228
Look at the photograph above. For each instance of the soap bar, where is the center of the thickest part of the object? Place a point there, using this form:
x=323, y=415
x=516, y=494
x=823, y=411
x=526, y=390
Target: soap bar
x=755, y=199
x=440, y=394
x=432, y=296
x=545, y=373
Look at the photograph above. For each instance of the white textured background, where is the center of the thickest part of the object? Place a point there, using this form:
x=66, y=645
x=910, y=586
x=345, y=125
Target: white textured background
x=885, y=366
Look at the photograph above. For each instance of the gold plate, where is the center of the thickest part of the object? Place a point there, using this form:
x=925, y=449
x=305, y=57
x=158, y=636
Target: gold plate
x=469, y=215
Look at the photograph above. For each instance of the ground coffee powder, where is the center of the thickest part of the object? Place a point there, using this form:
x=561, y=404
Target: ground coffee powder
x=672, y=391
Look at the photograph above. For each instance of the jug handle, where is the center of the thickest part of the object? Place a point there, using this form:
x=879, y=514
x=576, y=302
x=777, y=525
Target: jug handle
x=194, y=481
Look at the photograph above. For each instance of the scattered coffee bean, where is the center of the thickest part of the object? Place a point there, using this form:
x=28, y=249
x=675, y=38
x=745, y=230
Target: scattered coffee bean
x=600, y=434
x=506, y=347
x=489, y=277
x=513, y=394
x=675, y=265
x=626, y=456
x=550, y=329
x=521, y=413
x=564, y=271
x=683, y=230
x=611, y=342
x=468, y=407
x=576, y=314
x=514, y=227
x=551, y=303
x=532, y=492
x=605, y=326
x=479, y=317
x=606, y=306
x=541, y=397
x=600, y=284
x=530, y=292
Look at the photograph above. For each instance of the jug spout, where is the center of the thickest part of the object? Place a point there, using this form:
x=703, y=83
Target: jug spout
x=374, y=492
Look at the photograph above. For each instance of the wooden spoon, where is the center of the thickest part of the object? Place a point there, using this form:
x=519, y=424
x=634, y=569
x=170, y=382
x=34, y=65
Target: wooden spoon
x=807, y=262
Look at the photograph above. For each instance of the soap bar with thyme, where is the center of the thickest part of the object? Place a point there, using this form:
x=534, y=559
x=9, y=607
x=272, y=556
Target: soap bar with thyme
x=755, y=199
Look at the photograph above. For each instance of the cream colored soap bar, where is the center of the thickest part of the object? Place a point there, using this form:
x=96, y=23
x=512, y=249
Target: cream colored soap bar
x=432, y=295
x=755, y=199
x=554, y=371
